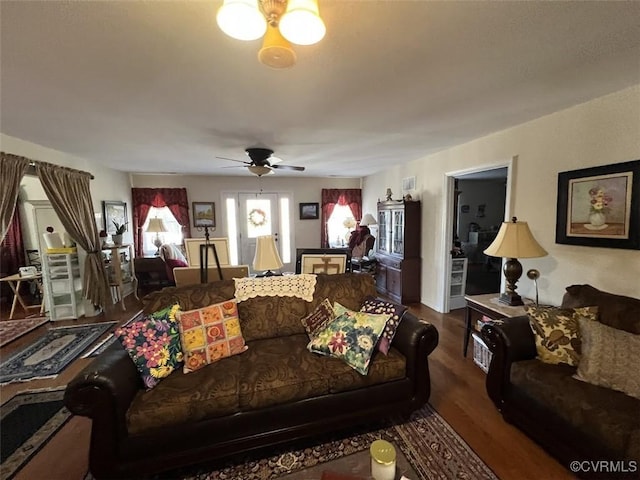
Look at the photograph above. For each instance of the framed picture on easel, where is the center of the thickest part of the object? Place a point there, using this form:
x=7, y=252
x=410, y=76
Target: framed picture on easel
x=204, y=214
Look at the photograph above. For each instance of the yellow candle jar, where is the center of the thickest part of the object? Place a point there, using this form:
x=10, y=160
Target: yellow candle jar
x=383, y=460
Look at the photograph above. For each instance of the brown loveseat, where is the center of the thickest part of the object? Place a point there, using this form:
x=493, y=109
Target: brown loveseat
x=275, y=392
x=571, y=419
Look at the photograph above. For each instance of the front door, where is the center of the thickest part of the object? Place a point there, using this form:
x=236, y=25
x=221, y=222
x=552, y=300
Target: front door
x=263, y=214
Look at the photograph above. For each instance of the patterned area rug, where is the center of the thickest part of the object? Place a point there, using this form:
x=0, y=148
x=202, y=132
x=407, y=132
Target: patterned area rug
x=12, y=329
x=50, y=354
x=102, y=345
x=434, y=451
x=27, y=423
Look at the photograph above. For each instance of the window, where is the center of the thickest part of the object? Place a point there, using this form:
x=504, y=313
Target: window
x=340, y=225
x=173, y=235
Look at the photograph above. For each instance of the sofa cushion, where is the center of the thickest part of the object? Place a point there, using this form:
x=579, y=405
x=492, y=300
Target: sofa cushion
x=209, y=392
x=153, y=344
x=395, y=311
x=352, y=336
x=617, y=311
x=281, y=370
x=209, y=334
x=610, y=358
x=383, y=368
x=170, y=264
x=556, y=332
x=190, y=297
x=599, y=414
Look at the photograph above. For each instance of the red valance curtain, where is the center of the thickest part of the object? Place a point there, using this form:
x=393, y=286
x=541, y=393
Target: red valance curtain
x=175, y=199
x=351, y=197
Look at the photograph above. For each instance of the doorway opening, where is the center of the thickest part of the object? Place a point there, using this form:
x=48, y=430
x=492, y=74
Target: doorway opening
x=478, y=201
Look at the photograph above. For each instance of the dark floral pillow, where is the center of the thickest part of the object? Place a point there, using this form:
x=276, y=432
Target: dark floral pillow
x=322, y=315
x=396, y=312
x=351, y=338
x=153, y=344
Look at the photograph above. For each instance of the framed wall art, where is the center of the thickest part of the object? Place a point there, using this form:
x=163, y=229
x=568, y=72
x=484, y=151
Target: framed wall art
x=309, y=211
x=600, y=206
x=114, y=212
x=204, y=214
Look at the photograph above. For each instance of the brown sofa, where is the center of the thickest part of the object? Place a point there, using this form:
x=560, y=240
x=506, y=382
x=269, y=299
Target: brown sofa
x=274, y=392
x=571, y=419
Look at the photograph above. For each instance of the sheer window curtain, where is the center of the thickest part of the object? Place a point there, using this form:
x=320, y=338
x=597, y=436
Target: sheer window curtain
x=12, y=169
x=351, y=197
x=175, y=199
x=70, y=195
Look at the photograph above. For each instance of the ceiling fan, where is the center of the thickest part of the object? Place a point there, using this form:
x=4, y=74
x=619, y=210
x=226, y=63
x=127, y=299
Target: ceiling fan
x=263, y=162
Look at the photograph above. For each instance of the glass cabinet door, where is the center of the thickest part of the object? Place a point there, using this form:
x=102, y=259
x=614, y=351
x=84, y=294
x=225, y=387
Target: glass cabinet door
x=397, y=246
x=384, y=231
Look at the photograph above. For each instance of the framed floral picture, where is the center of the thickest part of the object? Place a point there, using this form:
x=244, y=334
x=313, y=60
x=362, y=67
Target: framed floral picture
x=600, y=206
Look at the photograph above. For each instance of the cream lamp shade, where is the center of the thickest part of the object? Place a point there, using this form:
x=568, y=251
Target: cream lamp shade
x=266, y=258
x=156, y=225
x=514, y=240
x=368, y=220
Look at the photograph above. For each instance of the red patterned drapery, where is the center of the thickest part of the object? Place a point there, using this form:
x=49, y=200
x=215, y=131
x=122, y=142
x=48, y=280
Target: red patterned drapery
x=12, y=247
x=352, y=197
x=144, y=198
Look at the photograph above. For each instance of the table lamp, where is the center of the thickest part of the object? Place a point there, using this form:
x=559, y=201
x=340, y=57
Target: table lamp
x=368, y=220
x=514, y=240
x=156, y=225
x=267, y=257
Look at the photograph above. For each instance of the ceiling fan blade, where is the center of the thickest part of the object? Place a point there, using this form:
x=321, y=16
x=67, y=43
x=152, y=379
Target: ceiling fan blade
x=288, y=167
x=234, y=160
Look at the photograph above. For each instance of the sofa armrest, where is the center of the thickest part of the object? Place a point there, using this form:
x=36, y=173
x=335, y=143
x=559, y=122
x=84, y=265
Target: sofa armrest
x=416, y=340
x=508, y=342
x=103, y=391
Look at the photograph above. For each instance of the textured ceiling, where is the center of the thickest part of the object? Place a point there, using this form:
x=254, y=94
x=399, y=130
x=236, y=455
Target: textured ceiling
x=155, y=86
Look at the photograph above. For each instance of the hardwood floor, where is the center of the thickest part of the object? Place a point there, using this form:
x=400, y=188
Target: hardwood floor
x=457, y=393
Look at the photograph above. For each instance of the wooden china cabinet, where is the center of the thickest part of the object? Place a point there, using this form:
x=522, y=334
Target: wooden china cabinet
x=398, y=252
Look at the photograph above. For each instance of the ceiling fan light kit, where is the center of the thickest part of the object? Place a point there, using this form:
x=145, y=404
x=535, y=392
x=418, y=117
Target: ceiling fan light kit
x=280, y=21
x=263, y=162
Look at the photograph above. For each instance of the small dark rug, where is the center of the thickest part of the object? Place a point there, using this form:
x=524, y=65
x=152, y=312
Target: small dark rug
x=50, y=354
x=27, y=422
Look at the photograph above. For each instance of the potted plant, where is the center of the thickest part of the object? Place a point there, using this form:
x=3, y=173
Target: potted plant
x=120, y=229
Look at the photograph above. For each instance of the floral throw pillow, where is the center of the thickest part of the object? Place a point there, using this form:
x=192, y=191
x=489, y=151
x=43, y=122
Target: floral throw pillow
x=153, y=344
x=210, y=334
x=557, y=333
x=351, y=338
x=395, y=311
x=322, y=315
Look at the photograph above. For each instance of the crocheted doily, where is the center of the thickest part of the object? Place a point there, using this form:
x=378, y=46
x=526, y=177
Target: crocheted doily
x=301, y=286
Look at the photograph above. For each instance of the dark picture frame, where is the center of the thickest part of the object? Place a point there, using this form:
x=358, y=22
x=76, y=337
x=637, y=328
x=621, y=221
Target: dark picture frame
x=309, y=211
x=600, y=206
x=204, y=214
x=114, y=211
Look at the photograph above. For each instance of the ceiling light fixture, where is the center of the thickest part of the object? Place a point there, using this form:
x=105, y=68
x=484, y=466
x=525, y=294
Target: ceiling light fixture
x=283, y=21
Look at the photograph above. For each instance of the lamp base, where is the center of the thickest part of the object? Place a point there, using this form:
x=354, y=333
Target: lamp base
x=511, y=299
x=268, y=273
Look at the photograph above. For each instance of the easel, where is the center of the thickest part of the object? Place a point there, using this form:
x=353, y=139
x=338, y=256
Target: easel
x=204, y=258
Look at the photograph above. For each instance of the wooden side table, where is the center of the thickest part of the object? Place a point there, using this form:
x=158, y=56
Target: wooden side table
x=488, y=306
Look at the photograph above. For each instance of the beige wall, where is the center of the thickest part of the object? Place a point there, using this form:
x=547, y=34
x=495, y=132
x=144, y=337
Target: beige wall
x=210, y=189
x=600, y=132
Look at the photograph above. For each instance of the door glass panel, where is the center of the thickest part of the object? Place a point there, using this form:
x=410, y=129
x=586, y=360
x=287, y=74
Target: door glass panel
x=398, y=229
x=384, y=226
x=259, y=217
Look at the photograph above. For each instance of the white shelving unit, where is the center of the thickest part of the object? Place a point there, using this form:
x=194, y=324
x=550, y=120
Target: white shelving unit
x=63, y=286
x=457, y=282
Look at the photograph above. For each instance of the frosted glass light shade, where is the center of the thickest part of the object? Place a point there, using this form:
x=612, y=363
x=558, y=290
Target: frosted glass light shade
x=267, y=257
x=241, y=19
x=301, y=24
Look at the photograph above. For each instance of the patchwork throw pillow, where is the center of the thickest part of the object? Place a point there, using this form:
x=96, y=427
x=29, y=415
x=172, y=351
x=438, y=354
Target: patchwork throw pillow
x=153, y=344
x=321, y=316
x=395, y=311
x=351, y=338
x=210, y=334
x=610, y=358
x=556, y=332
